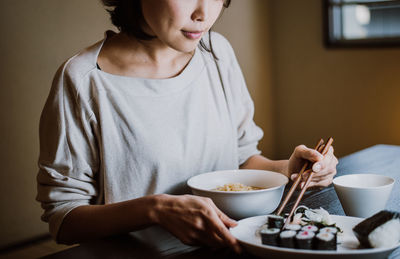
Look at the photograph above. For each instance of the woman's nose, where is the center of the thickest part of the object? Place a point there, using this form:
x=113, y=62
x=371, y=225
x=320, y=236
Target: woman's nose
x=200, y=13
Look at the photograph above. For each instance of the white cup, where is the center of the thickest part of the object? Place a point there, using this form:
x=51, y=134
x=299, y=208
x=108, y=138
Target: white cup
x=363, y=195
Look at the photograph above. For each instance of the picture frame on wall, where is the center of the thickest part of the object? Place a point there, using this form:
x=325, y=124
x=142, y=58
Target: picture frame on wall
x=361, y=23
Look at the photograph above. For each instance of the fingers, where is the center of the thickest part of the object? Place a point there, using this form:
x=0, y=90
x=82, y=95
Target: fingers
x=320, y=165
x=324, y=170
x=306, y=153
x=323, y=183
x=224, y=234
x=322, y=178
x=209, y=227
x=196, y=220
x=220, y=223
x=225, y=219
x=211, y=240
x=327, y=165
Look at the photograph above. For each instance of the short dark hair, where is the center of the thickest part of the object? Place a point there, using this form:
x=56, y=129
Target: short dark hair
x=127, y=16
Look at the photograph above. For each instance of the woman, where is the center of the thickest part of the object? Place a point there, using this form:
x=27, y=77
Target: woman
x=131, y=118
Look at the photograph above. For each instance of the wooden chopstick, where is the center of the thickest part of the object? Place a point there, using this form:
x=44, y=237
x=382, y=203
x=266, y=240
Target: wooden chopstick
x=320, y=150
x=297, y=181
x=310, y=176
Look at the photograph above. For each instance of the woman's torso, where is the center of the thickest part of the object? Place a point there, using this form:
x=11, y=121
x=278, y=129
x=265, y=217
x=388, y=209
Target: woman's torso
x=154, y=134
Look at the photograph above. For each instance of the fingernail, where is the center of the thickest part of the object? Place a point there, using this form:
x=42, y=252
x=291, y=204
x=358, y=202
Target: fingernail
x=316, y=167
x=293, y=176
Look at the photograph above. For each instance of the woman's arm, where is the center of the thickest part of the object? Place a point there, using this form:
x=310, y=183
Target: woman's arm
x=192, y=219
x=96, y=221
x=262, y=163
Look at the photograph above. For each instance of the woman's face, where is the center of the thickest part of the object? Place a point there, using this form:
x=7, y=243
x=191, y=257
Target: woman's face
x=180, y=24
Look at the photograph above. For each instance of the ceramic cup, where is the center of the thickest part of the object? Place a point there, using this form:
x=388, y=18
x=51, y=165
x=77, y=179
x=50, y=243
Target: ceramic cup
x=363, y=195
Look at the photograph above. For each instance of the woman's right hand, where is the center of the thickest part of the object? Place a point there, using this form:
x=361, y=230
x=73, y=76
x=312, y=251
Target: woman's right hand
x=195, y=221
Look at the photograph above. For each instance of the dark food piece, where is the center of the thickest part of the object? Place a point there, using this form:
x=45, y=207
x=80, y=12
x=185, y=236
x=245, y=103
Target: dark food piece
x=275, y=221
x=325, y=241
x=304, y=239
x=270, y=236
x=286, y=239
x=365, y=227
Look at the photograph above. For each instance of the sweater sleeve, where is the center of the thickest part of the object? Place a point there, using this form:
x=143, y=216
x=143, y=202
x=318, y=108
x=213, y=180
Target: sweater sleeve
x=68, y=160
x=248, y=133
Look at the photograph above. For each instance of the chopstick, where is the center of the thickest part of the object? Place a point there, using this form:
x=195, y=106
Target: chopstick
x=297, y=181
x=309, y=178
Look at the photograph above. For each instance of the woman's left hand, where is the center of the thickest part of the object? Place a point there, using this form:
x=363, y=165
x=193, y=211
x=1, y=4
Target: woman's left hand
x=324, y=167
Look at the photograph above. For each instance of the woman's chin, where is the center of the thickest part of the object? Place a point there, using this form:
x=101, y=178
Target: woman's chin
x=185, y=45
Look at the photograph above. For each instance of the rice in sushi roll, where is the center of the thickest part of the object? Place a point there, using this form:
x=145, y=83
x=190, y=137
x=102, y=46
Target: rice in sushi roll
x=311, y=228
x=294, y=227
x=380, y=230
x=331, y=230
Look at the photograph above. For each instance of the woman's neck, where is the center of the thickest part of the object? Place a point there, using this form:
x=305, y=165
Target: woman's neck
x=127, y=56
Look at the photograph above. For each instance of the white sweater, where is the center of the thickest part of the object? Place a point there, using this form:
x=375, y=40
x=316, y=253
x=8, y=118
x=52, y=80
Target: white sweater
x=106, y=138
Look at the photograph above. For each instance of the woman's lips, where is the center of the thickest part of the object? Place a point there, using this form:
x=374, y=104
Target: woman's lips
x=193, y=35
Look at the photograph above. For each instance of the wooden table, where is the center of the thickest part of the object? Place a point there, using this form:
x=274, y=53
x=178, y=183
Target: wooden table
x=379, y=159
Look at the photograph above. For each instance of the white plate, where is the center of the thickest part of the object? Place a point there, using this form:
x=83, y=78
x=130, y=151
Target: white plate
x=247, y=234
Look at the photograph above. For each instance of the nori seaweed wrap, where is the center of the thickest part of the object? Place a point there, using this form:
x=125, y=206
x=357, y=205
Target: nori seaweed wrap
x=270, y=236
x=304, y=239
x=286, y=238
x=364, y=231
x=275, y=221
x=325, y=241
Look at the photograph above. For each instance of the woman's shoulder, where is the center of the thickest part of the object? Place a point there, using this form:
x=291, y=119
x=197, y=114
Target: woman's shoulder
x=79, y=65
x=73, y=75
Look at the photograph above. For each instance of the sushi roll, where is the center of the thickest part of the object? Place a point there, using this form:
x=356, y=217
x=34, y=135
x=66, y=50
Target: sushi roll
x=325, y=241
x=311, y=228
x=304, y=239
x=275, y=221
x=269, y=236
x=286, y=238
x=331, y=230
x=265, y=226
x=379, y=230
x=293, y=227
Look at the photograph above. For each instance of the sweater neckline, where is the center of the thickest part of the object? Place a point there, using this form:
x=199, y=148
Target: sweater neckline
x=150, y=86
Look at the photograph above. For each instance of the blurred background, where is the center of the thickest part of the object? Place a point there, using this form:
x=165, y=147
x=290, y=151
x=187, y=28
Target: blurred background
x=302, y=90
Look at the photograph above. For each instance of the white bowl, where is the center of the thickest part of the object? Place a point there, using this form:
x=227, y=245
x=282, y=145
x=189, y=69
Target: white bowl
x=363, y=195
x=241, y=204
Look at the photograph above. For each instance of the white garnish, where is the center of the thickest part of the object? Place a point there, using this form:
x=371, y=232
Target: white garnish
x=326, y=218
x=313, y=216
